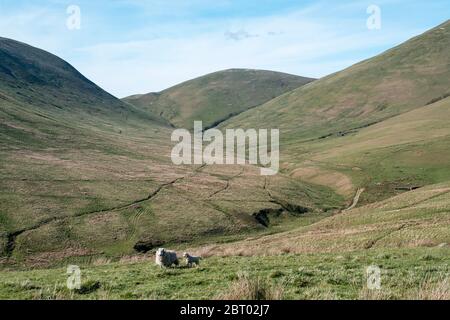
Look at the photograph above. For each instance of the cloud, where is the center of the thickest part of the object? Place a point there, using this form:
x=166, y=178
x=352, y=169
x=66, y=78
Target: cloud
x=239, y=35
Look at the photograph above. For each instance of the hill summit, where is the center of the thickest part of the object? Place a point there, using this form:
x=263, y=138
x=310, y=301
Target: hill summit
x=218, y=96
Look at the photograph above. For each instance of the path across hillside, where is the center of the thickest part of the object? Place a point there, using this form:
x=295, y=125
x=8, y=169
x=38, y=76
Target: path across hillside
x=355, y=199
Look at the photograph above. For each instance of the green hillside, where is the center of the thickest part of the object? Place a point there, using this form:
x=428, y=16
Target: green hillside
x=45, y=101
x=414, y=219
x=406, y=237
x=86, y=178
x=218, y=96
x=409, y=76
x=352, y=129
x=83, y=173
x=404, y=152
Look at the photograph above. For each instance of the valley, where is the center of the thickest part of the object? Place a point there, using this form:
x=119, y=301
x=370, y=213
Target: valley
x=87, y=179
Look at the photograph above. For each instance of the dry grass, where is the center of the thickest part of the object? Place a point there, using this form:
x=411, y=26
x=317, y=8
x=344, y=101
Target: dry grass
x=101, y=261
x=132, y=259
x=252, y=288
x=339, y=182
x=432, y=290
x=371, y=295
x=387, y=225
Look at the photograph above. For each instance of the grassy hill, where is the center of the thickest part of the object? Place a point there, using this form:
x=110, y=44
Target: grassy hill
x=346, y=130
x=45, y=102
x=218, y=96
x=413, y=219
x=404, y=152
x=85, y=174
x=401, y=79
x=98, y=188
x=406, y=237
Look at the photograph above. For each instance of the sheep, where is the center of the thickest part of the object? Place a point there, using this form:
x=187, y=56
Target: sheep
x=166, y=258
x=190, y=260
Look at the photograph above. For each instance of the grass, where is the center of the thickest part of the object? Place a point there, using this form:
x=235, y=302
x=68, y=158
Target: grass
x=414, y=219
x=84, y=177
x=378, y=134
x=216, y=97
x=79, y=191
x=409, y=150
x=248, y=288
x=323, y=260
x=413, y=73
x=84, y=174
x=406, y=274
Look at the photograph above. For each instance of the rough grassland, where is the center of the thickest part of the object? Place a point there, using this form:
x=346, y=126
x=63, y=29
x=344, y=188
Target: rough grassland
x=406, y=77
x=379, y=125
x=407, y=237
x=216, y=97
x=406, y=151
x=414, y=219
x=87, y=179
x=84, y=174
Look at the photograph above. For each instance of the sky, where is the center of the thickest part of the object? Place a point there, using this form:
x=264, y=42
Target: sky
x=130, y=46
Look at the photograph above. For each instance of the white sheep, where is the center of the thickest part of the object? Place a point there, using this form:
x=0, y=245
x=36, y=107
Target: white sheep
x=190, y=260
x=166, y=258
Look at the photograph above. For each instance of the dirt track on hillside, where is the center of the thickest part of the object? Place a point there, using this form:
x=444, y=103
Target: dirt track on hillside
x=355, y=199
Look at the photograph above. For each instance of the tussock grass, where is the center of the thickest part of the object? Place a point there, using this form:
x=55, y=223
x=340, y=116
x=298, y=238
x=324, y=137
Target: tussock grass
x=247, y=287
x=292, y=276
x=432, y=289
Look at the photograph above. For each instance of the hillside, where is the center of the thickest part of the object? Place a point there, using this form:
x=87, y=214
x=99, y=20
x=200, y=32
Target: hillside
x=337, y=131
x=85, y=174
x=29, y=74
x=406, y=77
x=43, y=98
x=87, y=179
x=216, y=97
x=414, y=219
x=401, y=153
x=406, y=237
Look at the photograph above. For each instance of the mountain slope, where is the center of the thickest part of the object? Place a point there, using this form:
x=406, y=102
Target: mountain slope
x=414, y=219
x=31, y=75
x=85, y=174
x=407, y=151
x=406, y=77
x=406, y=237
x=216, y=97
x=42, y=95
x=337, y=131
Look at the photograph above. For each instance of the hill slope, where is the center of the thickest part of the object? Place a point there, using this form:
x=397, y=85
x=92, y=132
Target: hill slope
x=406, y=77
x=83, y=173
x=109, y=192
x=418, y=218
x=42, y=98
x=406, y=237
x=336, y=131
x=407, y=151
x=216, y=97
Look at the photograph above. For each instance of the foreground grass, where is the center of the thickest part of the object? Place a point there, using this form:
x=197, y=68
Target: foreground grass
x=406, y=274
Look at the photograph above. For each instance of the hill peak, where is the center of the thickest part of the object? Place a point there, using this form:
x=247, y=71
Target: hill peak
x=399, y=80
x=217, y=96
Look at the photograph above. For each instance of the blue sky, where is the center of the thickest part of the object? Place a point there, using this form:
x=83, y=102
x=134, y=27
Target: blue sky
x=132, y=46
